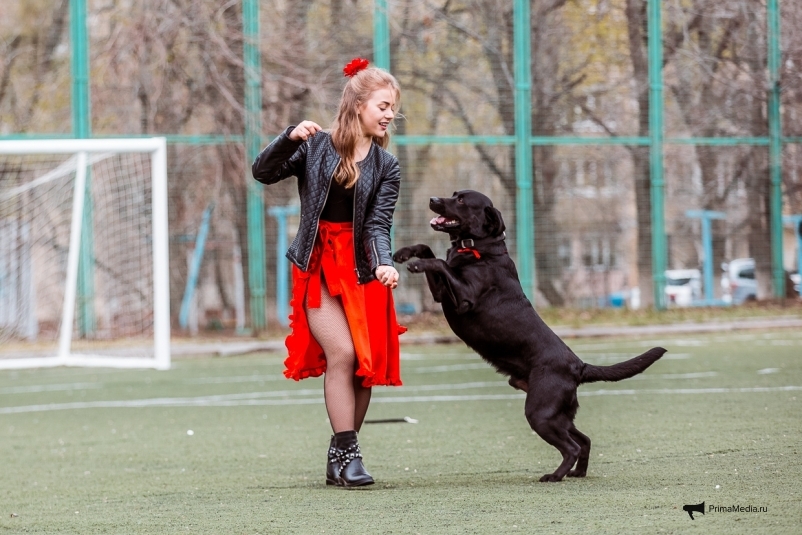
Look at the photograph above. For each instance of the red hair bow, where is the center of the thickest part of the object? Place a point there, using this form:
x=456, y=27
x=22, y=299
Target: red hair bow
x=356, y=65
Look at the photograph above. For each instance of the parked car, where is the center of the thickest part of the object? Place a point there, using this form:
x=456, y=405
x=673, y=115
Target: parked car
x=738, y=281
x=739, y=284
x=683, y=286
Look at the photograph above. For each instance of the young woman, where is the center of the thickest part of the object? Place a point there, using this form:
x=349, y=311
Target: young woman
x=343, y=319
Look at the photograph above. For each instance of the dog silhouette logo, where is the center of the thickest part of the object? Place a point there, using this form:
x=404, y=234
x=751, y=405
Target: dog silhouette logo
x=698, y=508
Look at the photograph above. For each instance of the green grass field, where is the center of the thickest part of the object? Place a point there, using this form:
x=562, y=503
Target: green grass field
x=109, y=451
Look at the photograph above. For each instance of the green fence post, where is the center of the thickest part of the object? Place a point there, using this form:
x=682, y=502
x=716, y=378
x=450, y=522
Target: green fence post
x=659, y=252
x=775, y=149
x=381, y=35
x=381, y=58
x=82, y=128
x=253, y=142
x=524, y=204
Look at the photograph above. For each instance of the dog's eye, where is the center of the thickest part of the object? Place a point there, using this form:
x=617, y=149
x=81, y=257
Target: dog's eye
x=460, y=200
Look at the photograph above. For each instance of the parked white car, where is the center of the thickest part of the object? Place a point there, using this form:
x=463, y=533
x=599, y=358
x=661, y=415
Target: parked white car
x=739, y=284
x=738, y=281
x=683, y=286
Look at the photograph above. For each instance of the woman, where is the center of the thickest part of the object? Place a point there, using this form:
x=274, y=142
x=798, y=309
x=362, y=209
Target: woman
x=343, y=319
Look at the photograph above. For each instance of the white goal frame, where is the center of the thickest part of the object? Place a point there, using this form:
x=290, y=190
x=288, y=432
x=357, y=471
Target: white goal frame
x=157, y=148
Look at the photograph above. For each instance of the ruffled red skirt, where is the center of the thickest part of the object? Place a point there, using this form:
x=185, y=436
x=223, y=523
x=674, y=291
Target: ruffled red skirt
x=368, y=307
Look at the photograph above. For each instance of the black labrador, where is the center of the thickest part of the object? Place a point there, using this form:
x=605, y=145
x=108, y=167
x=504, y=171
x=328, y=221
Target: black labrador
x=484, y=304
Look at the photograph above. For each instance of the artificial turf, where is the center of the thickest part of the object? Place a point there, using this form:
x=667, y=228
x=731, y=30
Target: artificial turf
x=717, y=420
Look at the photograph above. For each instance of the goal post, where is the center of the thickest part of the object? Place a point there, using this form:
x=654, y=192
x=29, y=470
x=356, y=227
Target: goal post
x=51, y=189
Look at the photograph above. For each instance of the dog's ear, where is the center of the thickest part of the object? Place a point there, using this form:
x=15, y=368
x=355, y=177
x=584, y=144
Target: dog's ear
x=494, y=224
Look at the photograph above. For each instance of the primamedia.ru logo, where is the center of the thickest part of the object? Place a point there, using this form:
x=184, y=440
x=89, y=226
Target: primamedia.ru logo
x=736, y=509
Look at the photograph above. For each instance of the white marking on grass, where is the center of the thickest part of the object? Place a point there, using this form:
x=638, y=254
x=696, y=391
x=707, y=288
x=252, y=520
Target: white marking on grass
x=750, y=337
x=691, y=343
x=744, y=390
x=439, y=356
x=48, y=388
x=605, y=356
x=621, y=357
x=236, y=379
x=450, y=386
x=648, y=343
x=453, y=368
x=766, y=371
x=694, y=375
x=237, y=400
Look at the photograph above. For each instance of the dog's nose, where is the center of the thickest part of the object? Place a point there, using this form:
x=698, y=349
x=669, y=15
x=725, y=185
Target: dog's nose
x=434, y=200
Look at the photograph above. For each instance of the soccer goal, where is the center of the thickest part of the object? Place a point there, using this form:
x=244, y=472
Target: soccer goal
x=84, y=253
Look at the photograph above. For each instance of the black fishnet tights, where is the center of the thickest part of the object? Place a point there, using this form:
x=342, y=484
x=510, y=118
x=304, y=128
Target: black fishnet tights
x=346, y=399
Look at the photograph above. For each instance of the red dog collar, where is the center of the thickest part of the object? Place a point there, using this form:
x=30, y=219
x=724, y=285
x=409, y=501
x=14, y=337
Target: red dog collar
x=469, y=250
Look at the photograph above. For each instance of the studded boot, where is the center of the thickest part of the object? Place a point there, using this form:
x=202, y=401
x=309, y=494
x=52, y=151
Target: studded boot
x=332, y=465
x=347, y=465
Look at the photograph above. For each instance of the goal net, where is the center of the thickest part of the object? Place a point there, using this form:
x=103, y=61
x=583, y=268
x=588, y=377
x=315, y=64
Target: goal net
x=84, y=253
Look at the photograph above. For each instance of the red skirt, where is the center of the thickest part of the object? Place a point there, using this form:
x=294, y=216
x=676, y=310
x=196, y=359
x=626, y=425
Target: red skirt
x=368, y=307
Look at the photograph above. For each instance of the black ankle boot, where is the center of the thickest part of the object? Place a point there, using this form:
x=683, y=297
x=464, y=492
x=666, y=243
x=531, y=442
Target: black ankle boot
x=332, y=465
x=346, y=463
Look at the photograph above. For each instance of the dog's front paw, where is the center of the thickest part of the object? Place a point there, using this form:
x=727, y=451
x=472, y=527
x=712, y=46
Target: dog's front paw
x=577, y=473
x=402, y=255
x=415, y=267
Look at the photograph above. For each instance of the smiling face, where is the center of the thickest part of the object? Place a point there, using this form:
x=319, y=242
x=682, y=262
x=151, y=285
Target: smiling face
x=377, y=112
x=466, y=214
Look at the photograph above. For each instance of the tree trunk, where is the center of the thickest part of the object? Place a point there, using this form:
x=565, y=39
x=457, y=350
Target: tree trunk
x=636, y=27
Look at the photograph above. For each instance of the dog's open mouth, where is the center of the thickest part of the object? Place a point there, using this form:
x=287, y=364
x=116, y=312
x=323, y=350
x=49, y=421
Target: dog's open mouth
x=442, y=222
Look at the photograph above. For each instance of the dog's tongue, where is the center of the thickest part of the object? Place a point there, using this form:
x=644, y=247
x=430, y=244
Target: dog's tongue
x=439, y=220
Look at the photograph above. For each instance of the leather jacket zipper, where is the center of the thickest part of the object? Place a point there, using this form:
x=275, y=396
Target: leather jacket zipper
x=375, y=251
x=353, y=221
x=317, y=219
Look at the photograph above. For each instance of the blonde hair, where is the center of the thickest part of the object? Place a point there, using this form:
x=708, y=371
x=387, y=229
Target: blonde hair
x=346, y=128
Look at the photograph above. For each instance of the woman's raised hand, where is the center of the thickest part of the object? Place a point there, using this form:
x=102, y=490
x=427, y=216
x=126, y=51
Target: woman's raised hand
x=305, y=130
x=387, y=275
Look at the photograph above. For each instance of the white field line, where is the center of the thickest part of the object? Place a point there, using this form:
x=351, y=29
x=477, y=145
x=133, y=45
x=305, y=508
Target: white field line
x=592, y=359
x=236, y=379
x=467, y=355
x=621, y=357
x=237, y=400
x=48, y=388
x=766, y=371
x=580, y=347
x=453, y=368
x=694, y=375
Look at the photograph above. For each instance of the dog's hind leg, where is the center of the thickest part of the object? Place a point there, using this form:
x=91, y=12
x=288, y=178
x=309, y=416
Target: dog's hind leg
x=550, y=417
x=583, y=440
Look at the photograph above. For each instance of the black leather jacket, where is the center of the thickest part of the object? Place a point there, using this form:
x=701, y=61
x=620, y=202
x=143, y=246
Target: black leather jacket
x=313, y=162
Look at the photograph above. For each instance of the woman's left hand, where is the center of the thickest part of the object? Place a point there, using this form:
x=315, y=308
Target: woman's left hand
x=387, y=275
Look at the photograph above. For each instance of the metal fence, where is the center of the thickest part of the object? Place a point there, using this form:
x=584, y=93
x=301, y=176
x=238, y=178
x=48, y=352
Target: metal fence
x=608, y=171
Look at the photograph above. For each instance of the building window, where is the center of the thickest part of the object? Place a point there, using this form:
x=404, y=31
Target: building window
x=599, y=252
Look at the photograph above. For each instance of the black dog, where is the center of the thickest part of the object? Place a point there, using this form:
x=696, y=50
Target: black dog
x=486, y=307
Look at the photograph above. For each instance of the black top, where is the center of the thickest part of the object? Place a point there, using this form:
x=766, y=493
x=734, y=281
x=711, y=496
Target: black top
x=339, y=206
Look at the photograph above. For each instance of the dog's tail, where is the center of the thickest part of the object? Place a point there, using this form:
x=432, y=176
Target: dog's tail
x=622, y=370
